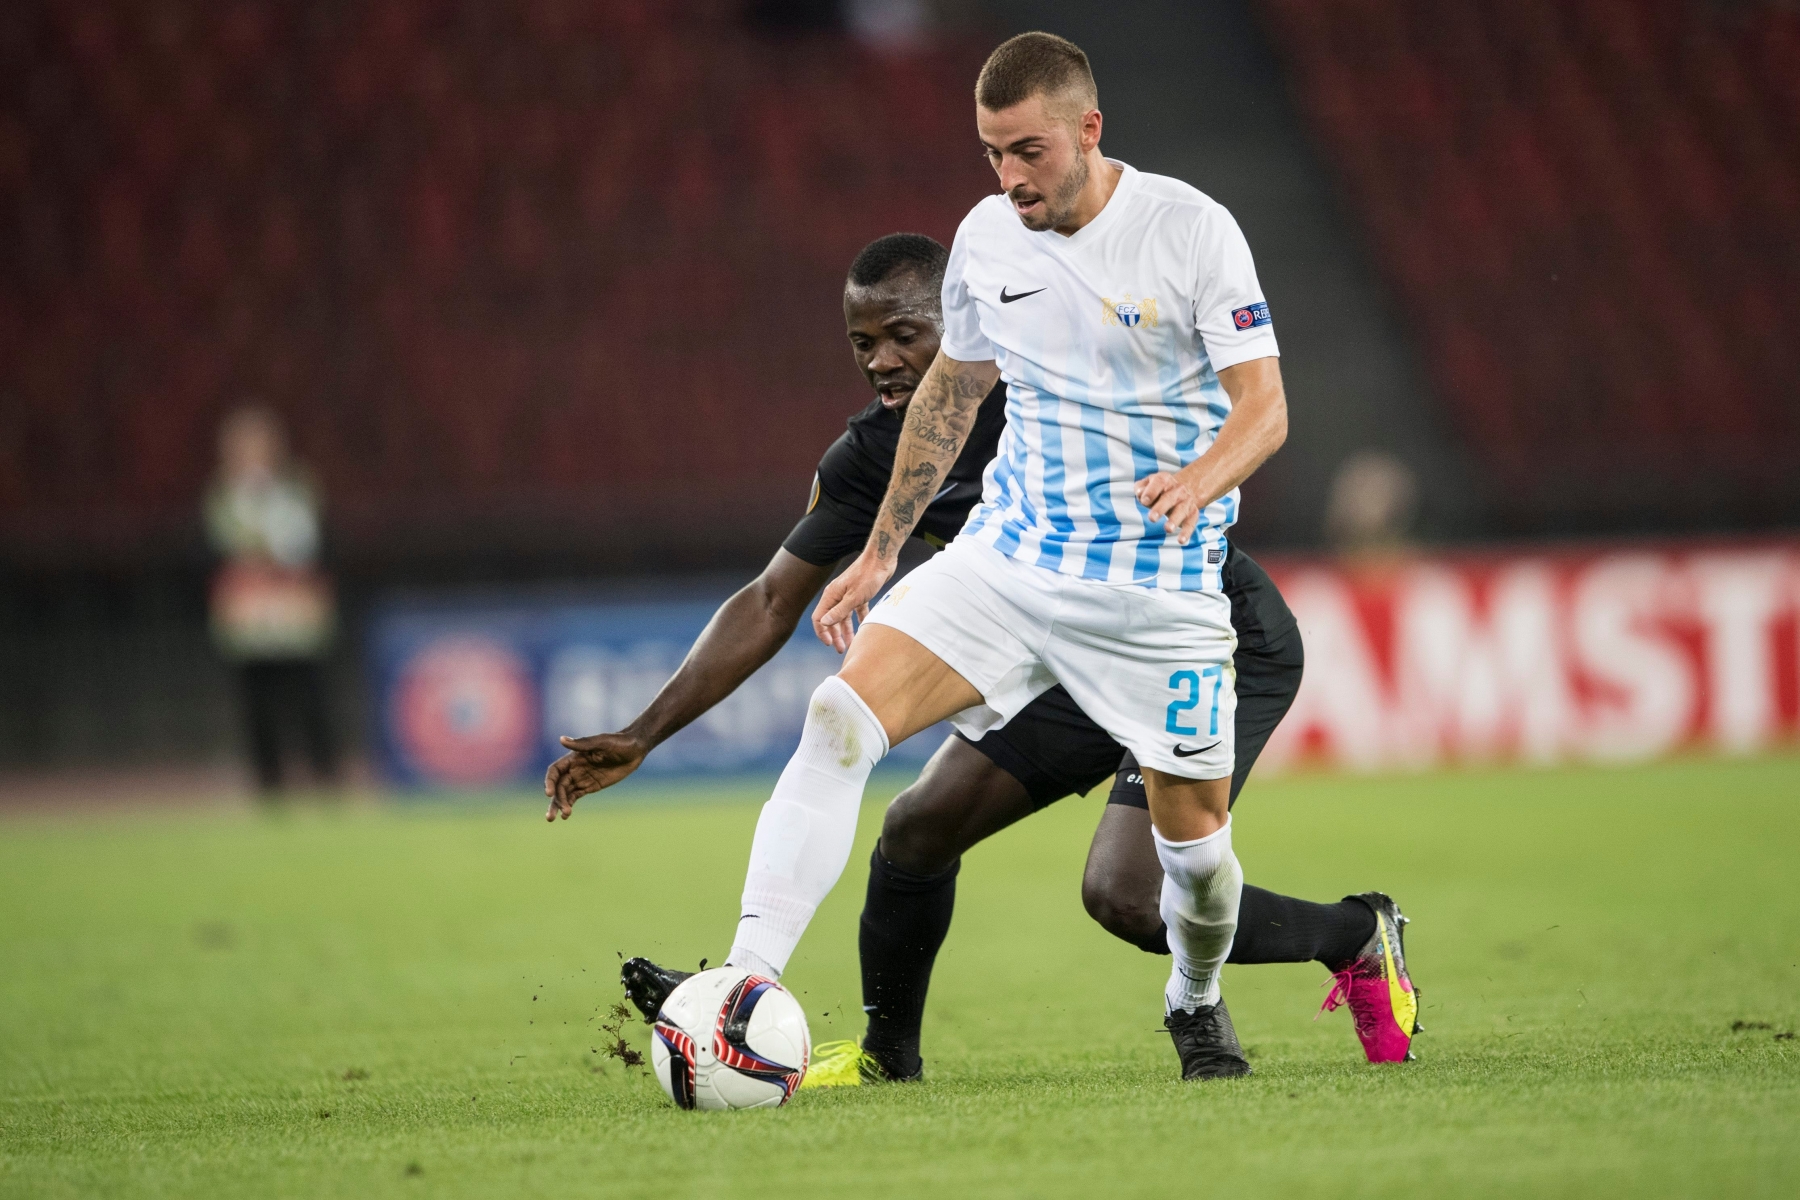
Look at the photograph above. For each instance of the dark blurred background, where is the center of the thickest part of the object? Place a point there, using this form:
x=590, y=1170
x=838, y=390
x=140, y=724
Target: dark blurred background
x=547, y=292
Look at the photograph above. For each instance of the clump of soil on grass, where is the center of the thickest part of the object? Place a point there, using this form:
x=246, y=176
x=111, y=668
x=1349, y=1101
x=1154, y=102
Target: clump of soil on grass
x=355, y=1075
x=1786, y=1035
x=615, y=1045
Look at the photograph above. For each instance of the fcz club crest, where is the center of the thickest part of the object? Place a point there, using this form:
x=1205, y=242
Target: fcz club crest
x=1128, y=312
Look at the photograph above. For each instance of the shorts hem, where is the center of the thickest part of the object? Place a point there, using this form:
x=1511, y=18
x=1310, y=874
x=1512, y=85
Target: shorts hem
x=978, y=720
x=1042, y=787
x=1127, y=794
x=1219, y=773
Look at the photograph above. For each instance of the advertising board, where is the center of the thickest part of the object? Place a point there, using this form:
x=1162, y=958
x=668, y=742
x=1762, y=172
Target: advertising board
x=473, y=693
x=1610, y=654
x=1603, y=654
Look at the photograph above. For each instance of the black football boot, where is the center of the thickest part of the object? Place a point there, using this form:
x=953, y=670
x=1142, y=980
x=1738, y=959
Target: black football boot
x=648, y=985
x=1207, y=1043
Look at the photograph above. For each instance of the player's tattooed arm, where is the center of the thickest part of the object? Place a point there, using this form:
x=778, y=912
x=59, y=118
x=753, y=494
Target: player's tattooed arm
x=938, y=421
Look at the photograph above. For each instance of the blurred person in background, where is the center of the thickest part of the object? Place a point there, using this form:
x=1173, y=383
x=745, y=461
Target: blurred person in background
x=272, y=610
x=1373, y=502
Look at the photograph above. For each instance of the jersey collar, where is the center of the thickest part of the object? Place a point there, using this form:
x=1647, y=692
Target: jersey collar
x=1097, y=227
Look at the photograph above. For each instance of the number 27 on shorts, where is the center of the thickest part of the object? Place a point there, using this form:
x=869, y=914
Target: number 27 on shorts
x=1187, y=684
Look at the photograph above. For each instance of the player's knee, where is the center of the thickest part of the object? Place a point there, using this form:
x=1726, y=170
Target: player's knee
x=916, y=838
x=1201, y=868
x=1125, y=908
x=840, y=728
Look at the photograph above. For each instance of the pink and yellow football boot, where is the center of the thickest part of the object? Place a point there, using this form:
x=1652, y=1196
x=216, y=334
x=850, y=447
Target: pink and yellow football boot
x=1381, y=996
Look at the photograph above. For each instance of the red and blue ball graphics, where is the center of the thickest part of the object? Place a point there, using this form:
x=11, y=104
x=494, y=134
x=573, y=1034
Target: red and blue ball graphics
x=727, y=1038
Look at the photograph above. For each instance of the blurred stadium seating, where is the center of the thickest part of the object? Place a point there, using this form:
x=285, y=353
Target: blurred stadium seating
x=1588, y=210
x=510, y=272
x=502, y=266
x=518, y=278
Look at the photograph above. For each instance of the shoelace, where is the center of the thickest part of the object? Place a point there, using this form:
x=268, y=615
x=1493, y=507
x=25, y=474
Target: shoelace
x=1339, y=994
x=1203, y=1031
x=835, y=1064
x=1366, y=1022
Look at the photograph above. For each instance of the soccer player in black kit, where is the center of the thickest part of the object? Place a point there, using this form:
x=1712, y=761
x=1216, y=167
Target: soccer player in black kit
x=971, y=789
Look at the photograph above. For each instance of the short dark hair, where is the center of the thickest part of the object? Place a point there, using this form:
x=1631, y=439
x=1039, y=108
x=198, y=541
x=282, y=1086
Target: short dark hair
x=888, y=256
x=1033, y=64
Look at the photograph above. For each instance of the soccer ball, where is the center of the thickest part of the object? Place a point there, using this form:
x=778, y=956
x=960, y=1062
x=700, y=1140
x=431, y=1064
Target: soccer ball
x=728, y=1039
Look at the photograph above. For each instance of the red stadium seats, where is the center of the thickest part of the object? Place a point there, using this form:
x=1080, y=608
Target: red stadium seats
x=1590, y=208
x=490, y=256
x=480, y=257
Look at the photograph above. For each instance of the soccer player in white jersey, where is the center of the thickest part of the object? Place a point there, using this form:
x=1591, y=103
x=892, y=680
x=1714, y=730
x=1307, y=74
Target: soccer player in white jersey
x=1123, y=311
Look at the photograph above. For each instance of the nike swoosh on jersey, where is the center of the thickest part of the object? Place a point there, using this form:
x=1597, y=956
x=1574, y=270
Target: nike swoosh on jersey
x=1006, y=299
x=1181, y=753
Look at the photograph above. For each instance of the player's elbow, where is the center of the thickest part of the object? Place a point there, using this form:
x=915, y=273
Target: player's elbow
x=769, y=611
x=1277, y=433
x=782, y=594
x=779, y=610
x=1271, y=418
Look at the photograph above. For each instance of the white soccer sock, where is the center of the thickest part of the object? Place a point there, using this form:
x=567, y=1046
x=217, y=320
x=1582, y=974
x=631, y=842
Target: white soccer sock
x=1202, y=883
x=804, y=835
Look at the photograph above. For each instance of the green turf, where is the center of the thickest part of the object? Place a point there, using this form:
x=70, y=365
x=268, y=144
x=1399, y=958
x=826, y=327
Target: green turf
x=401, y=1002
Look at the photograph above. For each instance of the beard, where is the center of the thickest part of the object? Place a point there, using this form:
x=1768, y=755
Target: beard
x=1059, y=206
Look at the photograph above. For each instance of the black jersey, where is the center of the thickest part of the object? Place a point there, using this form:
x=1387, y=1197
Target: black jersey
x=853, y=478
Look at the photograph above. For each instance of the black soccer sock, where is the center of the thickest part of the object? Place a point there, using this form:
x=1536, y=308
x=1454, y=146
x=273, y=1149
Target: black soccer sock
x=1273, y=928
x=905, y=919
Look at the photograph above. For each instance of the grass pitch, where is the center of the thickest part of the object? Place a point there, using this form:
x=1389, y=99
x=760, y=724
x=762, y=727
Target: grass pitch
x=404, y=1002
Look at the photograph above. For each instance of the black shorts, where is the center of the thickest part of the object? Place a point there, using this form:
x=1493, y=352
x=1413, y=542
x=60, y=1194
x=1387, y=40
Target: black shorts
x=1055, y=750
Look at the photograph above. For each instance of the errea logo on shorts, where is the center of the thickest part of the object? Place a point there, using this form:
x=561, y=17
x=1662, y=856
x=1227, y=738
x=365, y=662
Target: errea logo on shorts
x=1128, y=312
x=896, y=594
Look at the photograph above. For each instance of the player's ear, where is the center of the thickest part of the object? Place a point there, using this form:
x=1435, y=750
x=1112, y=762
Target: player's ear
x=1088, y=130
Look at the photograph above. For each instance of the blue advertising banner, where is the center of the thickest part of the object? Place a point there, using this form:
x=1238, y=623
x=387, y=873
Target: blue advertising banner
x=474, y=693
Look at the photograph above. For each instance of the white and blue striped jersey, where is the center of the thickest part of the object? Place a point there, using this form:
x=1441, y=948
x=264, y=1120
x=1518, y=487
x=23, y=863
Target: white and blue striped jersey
x=1110, y=342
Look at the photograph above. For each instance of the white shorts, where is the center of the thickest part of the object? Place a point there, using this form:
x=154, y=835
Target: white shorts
x=1151, y=667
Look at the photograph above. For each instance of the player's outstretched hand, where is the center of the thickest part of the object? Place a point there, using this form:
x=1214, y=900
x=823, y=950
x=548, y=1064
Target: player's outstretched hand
x=847, y=597
x=591, y=763
x=1172, y=501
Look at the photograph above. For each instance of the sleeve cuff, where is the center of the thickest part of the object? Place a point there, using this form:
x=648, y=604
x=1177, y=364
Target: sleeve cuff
x=982, y=351
x=1242, y=352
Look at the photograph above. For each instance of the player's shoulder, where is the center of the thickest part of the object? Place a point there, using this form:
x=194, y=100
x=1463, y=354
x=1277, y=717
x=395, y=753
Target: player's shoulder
x=991, y=211
x=1179, y=199
x=864, y=450
x=873, y=417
